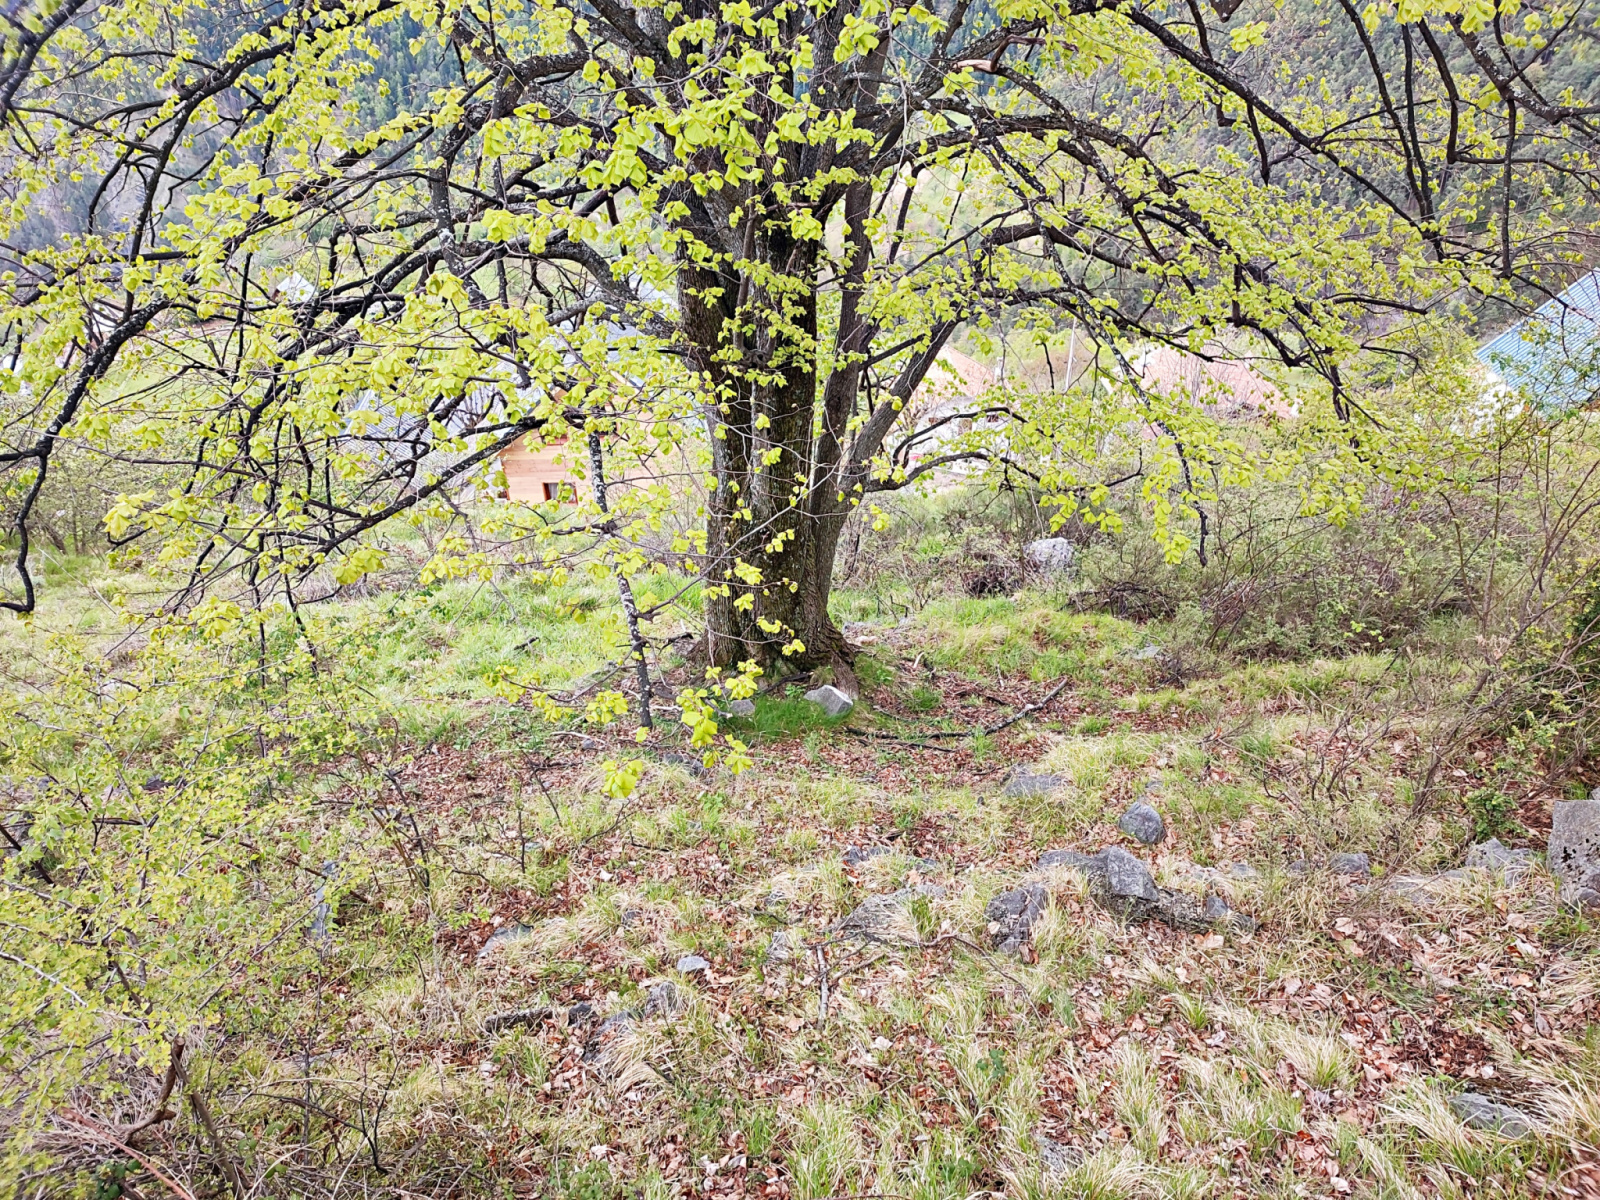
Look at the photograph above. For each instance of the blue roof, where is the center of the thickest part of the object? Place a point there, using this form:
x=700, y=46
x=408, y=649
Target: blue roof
x=1553, y=356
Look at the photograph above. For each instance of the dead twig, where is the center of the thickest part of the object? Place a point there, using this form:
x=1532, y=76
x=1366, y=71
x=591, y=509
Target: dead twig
x=101, y=1134
x=159, y=1111
x=203, y=1111
x=822, y=987
x=1028, y=710
x=889, y=737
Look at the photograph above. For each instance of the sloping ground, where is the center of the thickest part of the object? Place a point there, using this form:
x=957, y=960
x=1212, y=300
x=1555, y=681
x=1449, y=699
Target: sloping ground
x=531, y=989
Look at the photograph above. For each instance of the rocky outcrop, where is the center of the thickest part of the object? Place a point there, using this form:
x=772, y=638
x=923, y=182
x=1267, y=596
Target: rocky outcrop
x=1121, y=883
x=1574, y=852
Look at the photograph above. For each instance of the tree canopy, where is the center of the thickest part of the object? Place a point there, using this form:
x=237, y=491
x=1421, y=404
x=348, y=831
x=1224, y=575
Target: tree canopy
x=734, y=238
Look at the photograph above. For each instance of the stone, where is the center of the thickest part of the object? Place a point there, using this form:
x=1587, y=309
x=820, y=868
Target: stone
x=1419, y=889
x=1126, y=877
x=1072, y=859
x=1299, y=867
x=581, y=1013
x=1050, y=556
x=1219, y=912
x=1492, y=856
x=1350, y=864
x=692, y=964
x=744, y=709
x=1024, y=782
x=886, y=917
x=780, y=950
x=1120, y=882
x=1574, y=853
x=504, y=937
x=1243, y=871
x=854, y=856
x=500, y=1022
x=833, y=702
x=1013, y=913
x=663, y=1000
x=1056, y=1158
x=1480, y=1112
x=1143, y=824
x=1143, y=653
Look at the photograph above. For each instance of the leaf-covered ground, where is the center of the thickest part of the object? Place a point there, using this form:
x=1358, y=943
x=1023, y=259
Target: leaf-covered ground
x=488, y=1017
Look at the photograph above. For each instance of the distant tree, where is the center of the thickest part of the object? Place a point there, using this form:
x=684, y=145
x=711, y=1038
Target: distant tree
x=747, y=227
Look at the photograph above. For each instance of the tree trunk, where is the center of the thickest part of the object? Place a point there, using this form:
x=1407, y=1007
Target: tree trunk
x=773, y=520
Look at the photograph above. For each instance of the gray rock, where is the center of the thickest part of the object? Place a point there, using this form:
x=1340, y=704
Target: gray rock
x=1350, y=864
x=1056, y=1158
x=1014, y=913
x=504, y=936
x=1492, y=856
x=1143, y=653
x=854, y=856
x=1243, y=871
x=1050, y=556
x=663, y=999
x=780, y=950
x=739, y=708
x=1417, y=888
x=1574, y=853
x=1121, y=883
x=1480, y=1112
x=1024, y=782
x=692, y=964
x=1143, y=823
x=834, y=702
x=581, y=1013
x=1073, y=859
x=687, y=762
x=885, y=917
x=517, y=1017
x=1299, y=867
x=1126, y=878
x=1219, y=911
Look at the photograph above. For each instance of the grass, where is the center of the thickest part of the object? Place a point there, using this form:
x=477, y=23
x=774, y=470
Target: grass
x=1170, y=1064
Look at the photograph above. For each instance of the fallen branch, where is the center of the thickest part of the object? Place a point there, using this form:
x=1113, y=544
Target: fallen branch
x=203, y=1111
x=1029, y=709
x=822, y=987
x=99, y=1133
x=159, y=1111
x=889, y=737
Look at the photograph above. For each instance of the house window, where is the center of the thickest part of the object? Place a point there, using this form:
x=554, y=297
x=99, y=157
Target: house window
x=562, y=492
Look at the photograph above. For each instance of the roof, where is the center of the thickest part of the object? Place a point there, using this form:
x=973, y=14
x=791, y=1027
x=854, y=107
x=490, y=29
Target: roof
x=1553, y=355
x=1231, y=388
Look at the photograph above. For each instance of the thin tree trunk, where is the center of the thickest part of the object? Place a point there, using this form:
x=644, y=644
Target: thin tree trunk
x=630, y=608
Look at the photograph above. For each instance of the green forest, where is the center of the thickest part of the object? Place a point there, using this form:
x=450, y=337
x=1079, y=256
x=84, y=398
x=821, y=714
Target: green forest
x=801, y=599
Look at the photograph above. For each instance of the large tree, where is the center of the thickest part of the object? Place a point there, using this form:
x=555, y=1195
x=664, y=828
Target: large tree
x=314, y=298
